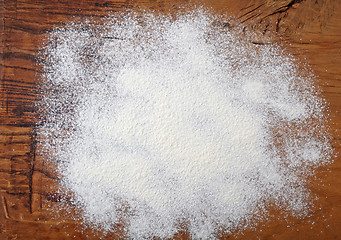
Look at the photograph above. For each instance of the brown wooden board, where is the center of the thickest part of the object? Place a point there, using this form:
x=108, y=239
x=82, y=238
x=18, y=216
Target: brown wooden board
x=311, y=29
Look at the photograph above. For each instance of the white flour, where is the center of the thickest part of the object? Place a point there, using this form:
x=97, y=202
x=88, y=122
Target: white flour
x=178, y=124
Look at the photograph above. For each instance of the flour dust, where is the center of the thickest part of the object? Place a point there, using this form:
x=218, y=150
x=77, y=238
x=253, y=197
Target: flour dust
x=170, y=124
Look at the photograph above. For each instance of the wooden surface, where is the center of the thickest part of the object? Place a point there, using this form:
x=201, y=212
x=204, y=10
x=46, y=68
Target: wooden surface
x=310, y=28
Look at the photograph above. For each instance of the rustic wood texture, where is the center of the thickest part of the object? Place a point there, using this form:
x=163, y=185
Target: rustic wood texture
x=311, y=29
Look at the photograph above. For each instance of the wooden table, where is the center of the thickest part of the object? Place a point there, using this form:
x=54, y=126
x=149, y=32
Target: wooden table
x=310, y=28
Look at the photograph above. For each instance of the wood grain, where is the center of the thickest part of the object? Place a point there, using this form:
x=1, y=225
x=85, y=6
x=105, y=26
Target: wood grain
x=310, y=29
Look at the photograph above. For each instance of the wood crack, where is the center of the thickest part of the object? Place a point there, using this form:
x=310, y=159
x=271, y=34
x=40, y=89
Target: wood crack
x=22, y=68
x=250, y=11
x=33, y=157
x=284, y=8
x=7, y=216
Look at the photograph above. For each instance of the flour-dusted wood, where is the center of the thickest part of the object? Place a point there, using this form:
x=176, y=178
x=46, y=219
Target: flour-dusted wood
x=27, y=183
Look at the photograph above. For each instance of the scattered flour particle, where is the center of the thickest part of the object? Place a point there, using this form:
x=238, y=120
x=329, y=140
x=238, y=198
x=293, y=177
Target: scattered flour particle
x=170, y=125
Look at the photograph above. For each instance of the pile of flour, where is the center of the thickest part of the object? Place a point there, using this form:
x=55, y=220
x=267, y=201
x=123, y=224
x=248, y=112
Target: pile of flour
x=169, y=124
